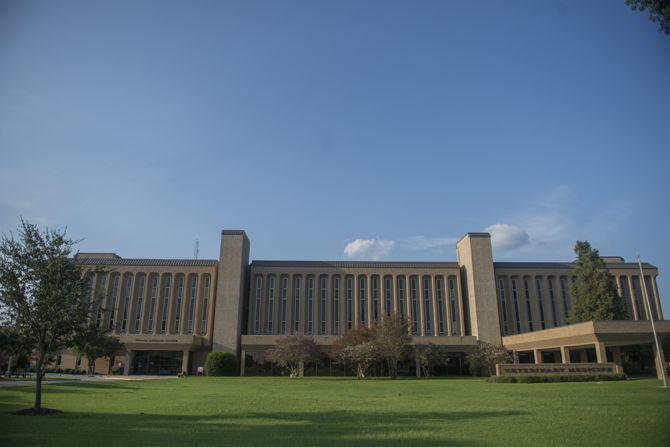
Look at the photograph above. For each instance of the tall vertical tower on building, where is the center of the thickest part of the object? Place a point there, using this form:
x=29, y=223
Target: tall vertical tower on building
x=231, y=289
x=475, y=259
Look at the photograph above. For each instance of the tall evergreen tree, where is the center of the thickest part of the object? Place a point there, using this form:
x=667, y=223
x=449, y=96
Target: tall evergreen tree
x=594, y=294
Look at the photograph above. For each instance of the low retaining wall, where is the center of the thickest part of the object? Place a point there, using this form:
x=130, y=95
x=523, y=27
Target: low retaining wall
x=544, y=369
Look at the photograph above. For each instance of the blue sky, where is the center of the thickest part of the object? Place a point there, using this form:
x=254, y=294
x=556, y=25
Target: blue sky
x=388, y=129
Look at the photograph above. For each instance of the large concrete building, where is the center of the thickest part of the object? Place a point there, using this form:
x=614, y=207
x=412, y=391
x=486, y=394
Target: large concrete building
x=170, y=313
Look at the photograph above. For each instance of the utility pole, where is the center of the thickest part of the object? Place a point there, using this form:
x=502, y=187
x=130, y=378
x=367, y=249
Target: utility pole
x=653, y=326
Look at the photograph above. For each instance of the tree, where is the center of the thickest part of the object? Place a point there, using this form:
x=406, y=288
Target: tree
x=356, y=347
x=94, y=342
x=43, y=293
x=594, y=294
x=112, y=346
x=483, y=358
x=392, y=341
x=429, y=356
x=291, y=351
x=14, y=346
x=659, y=11
x=221, y=364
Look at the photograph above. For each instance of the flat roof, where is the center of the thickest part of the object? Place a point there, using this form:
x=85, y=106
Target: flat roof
x=566, y=265
x=353, y=264
x=150, y=262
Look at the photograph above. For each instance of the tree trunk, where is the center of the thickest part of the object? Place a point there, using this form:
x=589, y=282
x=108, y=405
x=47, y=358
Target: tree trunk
x=111, y=364
x=38, y=380
x=417, y=369
x=91, y=366
x=9, y=366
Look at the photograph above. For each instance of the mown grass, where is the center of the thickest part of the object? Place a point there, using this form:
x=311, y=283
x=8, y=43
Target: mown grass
x=276, y=411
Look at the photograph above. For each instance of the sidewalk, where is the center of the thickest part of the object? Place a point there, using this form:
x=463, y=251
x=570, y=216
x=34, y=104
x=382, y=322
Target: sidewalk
x=51, y=378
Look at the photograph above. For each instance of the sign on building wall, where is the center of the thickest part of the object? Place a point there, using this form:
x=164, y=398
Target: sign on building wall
x=542, y=369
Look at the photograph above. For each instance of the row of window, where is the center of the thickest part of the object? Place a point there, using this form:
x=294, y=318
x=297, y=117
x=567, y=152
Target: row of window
x=131, y=291
x=325, y=294
x=632, y=293
x=557, y=294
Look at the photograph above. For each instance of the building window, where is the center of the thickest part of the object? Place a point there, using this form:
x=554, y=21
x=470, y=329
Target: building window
x=552, y=301
x=140, y=302
x=564, y=296
x=310, y=304
x=387, y=296
x=452, y=303
x=115, y=294
x=205, y=304
x=271, y=304
x=515, y=299
x=257, y=310
x=503, y=306
x=324, y=303
x=401, y=296
x=439, y=290
x=191, y=303
x=375, y=299
x=126, y=303
x=152, y=303
x=350, y=301
x=362, y=298
x=103, y=294
x=180, y=298
x=166, y=303
x=538, y=285
x=296, y=303
x=284, y=304
x=415, y=305
x=89, y=286
x=528, y=306
x=336, y=305
x=427, y=326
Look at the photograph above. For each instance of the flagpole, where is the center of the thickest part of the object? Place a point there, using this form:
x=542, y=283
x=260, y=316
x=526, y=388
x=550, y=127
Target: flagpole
x=651, y=318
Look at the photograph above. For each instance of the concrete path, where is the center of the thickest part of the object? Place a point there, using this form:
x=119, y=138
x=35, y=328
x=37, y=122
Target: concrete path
x=74, y=378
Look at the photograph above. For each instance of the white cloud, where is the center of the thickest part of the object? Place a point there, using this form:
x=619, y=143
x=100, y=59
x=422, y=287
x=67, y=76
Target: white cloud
x=375, y=249
x=427, y=243
x=507, y=237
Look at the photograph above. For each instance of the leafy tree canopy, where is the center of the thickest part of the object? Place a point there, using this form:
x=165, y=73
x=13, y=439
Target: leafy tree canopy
x=659, y=11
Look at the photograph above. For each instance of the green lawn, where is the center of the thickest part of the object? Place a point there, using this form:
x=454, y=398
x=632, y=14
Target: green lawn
x=274, y=411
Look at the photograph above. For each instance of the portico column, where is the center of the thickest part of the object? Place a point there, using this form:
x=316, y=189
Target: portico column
x=565, y=355
x=601, y=354
x=184, y=361
x=243, y=357
x=616, y=356
x=659, y=359
x=538, y=356
x=129, y=361
x=515, y=357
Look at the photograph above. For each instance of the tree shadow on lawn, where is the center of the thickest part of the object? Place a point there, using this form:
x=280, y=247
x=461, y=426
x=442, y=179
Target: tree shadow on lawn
x=323, y=428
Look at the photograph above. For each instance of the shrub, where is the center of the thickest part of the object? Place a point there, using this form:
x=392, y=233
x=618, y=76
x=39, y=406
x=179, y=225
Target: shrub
x=556, y=378
x=221, y=364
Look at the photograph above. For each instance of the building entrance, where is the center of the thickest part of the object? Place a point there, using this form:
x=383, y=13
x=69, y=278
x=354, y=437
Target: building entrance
x=157, y=363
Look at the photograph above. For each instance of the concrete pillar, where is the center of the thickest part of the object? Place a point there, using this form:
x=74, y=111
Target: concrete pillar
x=538, y=356
x=565, y=355
x=243, y=358
x=448, y=330
x=633, y=298
x=128, y=363
x=184, y=362
x=601, y=354
x=435, y=314
x=459, y=305
x=617, y=358
x=659, y=361
x=657, y=298
x=422, y=315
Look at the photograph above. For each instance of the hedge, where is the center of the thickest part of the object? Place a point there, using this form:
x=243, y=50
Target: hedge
x=556, y=378
x=221, y=364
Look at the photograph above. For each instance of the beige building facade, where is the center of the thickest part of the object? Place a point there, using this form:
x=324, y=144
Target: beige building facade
x=171, y=313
